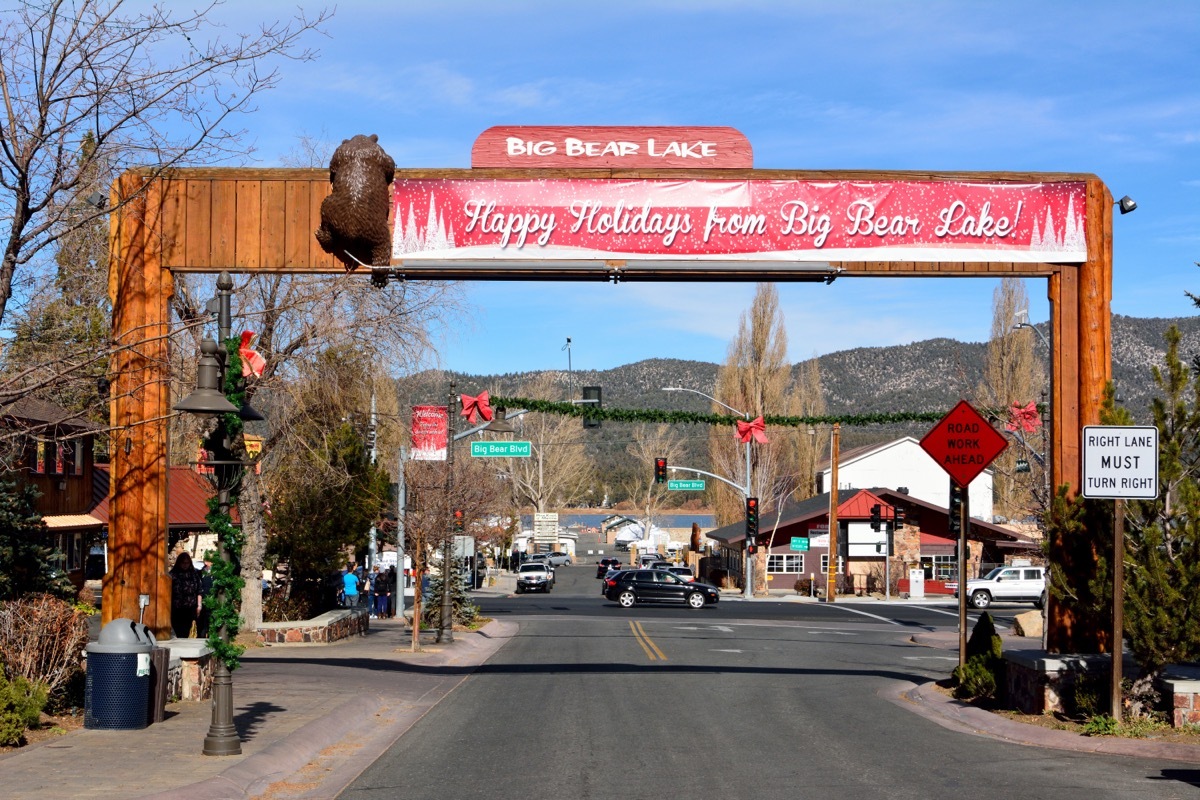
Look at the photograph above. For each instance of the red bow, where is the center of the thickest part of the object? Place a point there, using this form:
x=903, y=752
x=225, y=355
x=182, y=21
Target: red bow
x=252, y=362
x=755, y=428
x=1026, y=419
x=473, y=405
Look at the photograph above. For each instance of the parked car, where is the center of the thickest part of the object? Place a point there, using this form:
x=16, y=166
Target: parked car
x=632, y=586
x=605, y=564
x=534, y=577
x=558, y=559
x=1006, y=584
x=683, y=572
x=658, y=565
x=645, y=559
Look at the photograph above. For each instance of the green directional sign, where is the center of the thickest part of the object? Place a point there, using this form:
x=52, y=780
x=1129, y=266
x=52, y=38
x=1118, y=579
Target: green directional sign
x=685, y=486
x=800, y=543
x=501, y=449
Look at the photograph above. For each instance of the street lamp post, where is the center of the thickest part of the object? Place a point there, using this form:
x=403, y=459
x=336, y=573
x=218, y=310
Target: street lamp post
x=209, y=399
x=749, y=562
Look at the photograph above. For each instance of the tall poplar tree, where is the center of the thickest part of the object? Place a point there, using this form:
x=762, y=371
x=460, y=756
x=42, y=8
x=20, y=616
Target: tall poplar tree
x=1013, y=374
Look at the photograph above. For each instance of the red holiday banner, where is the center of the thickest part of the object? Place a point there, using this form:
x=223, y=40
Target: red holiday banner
x=430, y=431
x=737, y=220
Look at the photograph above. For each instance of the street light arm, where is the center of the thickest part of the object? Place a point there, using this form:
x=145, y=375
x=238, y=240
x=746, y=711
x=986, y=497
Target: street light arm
x=741, y=489
x=1035, y=329
x=709, y=396
x=478, y=428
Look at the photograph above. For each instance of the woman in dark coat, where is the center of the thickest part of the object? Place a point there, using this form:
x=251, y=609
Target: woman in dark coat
x=185, y=596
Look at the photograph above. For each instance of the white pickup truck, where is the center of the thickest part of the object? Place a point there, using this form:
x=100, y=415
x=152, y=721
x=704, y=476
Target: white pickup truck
x=1006, y=585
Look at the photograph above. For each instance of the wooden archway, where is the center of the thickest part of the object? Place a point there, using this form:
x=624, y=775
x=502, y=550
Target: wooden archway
x=262, y=220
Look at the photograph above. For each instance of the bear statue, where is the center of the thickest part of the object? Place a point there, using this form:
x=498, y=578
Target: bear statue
x=354, y=218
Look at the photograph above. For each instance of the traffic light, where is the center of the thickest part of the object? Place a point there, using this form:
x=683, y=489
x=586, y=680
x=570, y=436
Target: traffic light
x=876, y=517
x=899, y=518
x=591, y=398
x=752, y=520
x=458, y=521
x=751, y=548
x=660, y=470
x=954, y=523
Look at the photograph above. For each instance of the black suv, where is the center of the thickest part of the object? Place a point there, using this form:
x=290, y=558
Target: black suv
x=605, y=564
x=634, y=586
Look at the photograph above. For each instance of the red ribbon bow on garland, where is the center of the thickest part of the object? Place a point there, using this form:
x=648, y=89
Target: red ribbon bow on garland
x=476, y=405
x=755, y=428
x=252, y=362
x=1026, y=419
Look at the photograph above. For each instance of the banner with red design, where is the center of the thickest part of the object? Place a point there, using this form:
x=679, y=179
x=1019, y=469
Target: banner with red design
x=767, y=221
x=430, y=430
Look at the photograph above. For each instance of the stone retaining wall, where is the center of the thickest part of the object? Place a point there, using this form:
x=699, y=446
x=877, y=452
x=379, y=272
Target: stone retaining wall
x=329, y=627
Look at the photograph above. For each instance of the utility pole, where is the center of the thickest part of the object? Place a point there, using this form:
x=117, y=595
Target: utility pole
x=831, y=575
x=446, y=621
x=401, y=509
x=373, y=540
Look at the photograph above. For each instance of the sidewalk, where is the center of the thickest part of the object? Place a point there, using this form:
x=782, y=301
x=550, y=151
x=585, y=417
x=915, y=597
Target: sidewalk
x=311, y=719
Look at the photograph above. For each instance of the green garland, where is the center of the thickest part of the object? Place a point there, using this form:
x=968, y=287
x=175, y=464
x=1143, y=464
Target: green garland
x=659, y=415
x=222, y=601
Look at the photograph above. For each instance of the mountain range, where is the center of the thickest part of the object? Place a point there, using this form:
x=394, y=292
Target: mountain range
x=930, y=375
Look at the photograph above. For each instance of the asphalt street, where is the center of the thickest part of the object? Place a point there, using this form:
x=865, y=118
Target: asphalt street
x=742, y=699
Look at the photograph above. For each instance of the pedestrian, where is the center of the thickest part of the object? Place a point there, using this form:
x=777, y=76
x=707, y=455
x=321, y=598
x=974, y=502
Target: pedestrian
x=350, y=587
x=372, y=590
x=206, y=586
x=396, y=588
x=185, y=596
x=383, y=592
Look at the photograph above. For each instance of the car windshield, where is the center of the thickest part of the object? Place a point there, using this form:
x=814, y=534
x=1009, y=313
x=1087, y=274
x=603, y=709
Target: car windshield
x=532, y=568
x=993, y=573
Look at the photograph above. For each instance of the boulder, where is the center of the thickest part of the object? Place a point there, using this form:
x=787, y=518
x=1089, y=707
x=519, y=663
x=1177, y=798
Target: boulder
x=1029, y=624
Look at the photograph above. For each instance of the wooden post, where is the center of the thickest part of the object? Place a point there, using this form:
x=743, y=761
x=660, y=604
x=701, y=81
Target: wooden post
x=138, y=490
x=1118, y=611
x=831, y=575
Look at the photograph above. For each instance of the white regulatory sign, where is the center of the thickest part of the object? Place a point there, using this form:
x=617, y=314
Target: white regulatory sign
x=1120, y=462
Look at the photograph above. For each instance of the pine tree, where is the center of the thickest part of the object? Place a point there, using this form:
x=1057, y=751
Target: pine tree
x=26, y=566
x=1162, y=576
x=463, y=610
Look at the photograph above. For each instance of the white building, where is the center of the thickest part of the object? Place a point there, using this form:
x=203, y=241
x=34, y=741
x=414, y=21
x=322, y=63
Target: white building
x=902, y=465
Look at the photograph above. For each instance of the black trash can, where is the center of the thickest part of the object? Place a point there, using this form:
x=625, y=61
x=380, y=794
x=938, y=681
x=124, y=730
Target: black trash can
x=117, y=692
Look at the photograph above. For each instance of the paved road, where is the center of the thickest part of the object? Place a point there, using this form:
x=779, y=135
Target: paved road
x=740, y=700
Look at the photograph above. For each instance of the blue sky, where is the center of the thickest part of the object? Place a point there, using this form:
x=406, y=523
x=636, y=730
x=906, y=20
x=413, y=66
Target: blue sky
x=1109, y=88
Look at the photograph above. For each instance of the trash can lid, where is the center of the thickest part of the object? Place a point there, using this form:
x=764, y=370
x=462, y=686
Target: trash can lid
x=123, y=636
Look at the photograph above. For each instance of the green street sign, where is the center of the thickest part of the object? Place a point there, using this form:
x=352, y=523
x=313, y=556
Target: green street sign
x=686, y=486
x=500, y=449
x=800, y=543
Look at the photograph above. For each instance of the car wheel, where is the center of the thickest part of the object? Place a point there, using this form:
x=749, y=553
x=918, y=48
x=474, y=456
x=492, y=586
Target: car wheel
x=626, y=599
x=695, y=600
x=981, y=599
x=1040, y=603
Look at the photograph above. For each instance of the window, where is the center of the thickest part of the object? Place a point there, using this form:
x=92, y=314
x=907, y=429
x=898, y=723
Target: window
x=785, y=563
x=1032, y=574
x=39, y=456
x=825, y=564
x=945, y=568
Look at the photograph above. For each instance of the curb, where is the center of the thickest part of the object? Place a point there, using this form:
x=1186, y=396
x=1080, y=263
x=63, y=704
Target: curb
x=289, y=755
x=956, y=715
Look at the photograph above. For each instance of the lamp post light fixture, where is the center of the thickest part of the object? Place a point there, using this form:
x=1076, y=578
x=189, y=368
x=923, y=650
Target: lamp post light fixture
x=749, y=491
x=209, y=399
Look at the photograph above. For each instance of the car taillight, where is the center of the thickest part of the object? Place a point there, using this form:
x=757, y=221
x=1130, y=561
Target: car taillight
x=611, y=582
